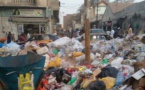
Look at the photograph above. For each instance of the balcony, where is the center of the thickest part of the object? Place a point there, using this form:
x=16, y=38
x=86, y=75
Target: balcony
x=21, y=2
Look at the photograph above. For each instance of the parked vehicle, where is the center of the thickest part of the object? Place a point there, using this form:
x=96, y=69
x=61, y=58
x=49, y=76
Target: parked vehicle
x=97, y=31
x=100, y=37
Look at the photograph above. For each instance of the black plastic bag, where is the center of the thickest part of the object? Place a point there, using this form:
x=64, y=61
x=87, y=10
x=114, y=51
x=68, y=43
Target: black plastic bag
x=108, y=71
x=97, y=85
x=62, y=76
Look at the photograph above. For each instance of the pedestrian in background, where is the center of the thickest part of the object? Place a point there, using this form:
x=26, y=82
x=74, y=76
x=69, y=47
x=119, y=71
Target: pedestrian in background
x=13, y=37
x=130, y=33
x=108, y=32
x=28, y=35
x=22, y=38
x=112, y=33
x=9, y=37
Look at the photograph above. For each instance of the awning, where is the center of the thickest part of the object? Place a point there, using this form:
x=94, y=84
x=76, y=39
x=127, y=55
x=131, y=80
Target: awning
x=29, y=19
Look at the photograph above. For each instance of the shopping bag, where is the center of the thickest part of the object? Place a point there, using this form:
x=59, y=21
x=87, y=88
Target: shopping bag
x=25, y=81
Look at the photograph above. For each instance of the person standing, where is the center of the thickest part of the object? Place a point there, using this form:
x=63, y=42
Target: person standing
x=108, y=32
x=9, y=37
x=112, y=33
x=28, y=35
x=130, y=33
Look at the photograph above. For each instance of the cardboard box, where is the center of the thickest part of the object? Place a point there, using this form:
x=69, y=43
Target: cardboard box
x=139, y=74
x=142, y=82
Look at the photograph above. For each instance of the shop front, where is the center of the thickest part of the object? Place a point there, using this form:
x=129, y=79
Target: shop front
x=24, y=20
x=32, y=21
x=31, y=25
x=107, y=26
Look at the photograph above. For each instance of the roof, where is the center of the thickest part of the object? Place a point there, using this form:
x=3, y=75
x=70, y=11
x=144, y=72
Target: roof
x=102, y=1
x=116, y=7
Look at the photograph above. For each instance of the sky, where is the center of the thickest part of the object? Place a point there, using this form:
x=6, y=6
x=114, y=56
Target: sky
x=71, y=7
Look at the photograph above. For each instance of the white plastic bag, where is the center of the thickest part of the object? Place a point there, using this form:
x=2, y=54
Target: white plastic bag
x=117, y=62
x=42, y=50
x=61, y=42
x=82, y=58
x=77, y=46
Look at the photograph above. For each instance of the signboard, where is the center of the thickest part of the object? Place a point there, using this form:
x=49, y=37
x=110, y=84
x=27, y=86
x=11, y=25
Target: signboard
x=28, y=12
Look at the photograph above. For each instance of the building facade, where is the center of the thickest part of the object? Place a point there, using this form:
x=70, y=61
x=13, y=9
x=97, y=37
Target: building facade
x=109, y=20
x=97, y=13
x=133, y=15
x=23, y=16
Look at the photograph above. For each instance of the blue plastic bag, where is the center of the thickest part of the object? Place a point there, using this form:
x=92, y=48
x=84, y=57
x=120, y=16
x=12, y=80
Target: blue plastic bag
x=1, y=45
x=119, y=79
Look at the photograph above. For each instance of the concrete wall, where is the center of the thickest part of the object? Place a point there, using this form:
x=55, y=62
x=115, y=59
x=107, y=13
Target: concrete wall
x=107, y=15
x=7, y=27
x=67, y=22
x=43, y=3
x=138, y=8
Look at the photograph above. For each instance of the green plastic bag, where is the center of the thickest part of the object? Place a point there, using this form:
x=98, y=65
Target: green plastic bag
x=55, y=52
x=72, y=81
x=105, y=61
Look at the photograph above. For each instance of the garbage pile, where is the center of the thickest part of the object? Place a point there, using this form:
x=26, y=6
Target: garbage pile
x=116, y=64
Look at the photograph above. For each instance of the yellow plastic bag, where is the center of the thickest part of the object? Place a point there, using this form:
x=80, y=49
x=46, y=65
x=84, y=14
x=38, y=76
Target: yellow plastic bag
x=86, y=82
x=77, y=54
x=55, y=63
x=44, y=41
x=109, y=82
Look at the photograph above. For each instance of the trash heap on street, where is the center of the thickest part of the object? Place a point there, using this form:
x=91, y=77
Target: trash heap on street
x=117, y=64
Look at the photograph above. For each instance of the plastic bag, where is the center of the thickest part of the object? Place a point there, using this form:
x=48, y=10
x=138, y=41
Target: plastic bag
x=95, y=63
x=78, y=46
x=66, y=87
x=119, y=79
x=105, y=61
x=61, y=42
x=127, y=70
x=26, y=83
x=62, y=76
x=42, y=50
x=109, y=82
x=1, y=45
x=82, y=58
x=55, y=63
x=87, y=81
x=117, y=62
x=77, y=54
x=97, y=85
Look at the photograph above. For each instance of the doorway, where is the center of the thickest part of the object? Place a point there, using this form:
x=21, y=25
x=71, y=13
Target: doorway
x=31, y=28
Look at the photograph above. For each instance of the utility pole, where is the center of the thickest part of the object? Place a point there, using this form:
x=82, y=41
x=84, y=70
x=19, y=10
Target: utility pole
x=87, y=32
x=97, y=13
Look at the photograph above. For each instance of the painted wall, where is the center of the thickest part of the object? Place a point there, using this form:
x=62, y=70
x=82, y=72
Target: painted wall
x=108, y=14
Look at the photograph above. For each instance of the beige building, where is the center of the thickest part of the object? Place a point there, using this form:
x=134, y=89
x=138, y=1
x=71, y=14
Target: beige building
x=68, y=21
x=34, y=16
